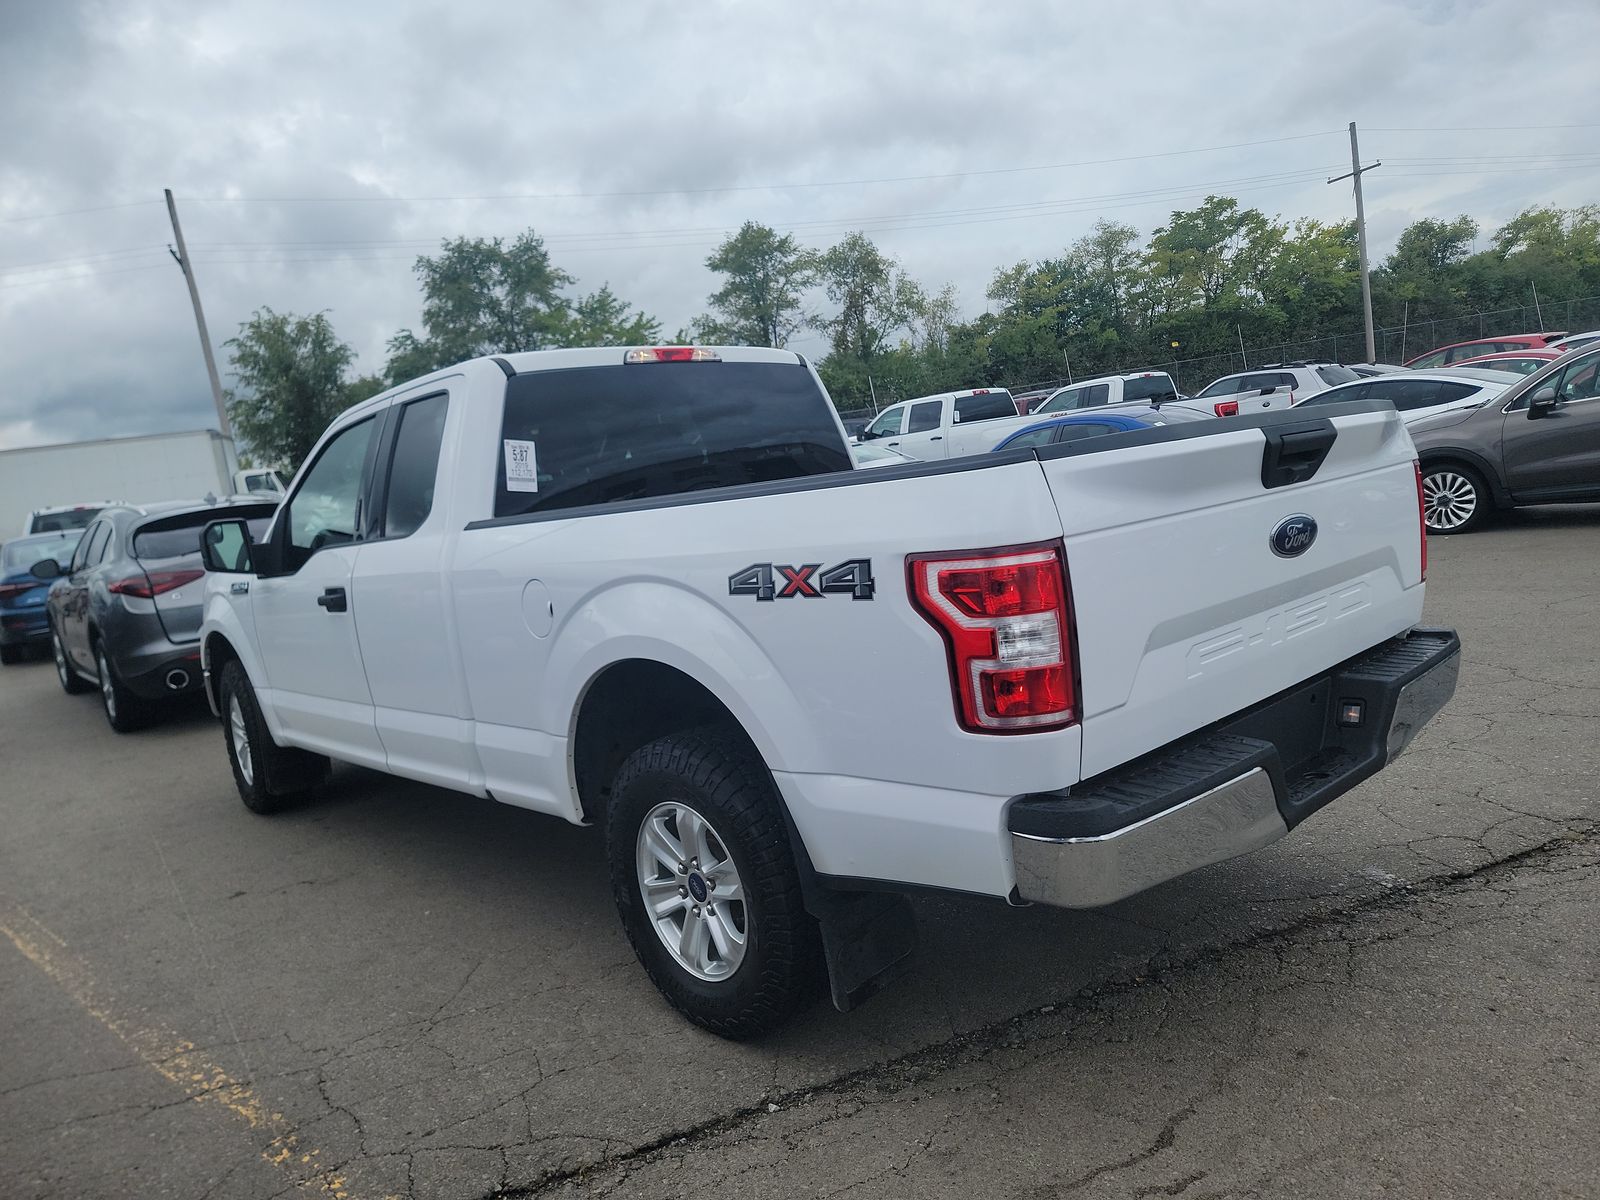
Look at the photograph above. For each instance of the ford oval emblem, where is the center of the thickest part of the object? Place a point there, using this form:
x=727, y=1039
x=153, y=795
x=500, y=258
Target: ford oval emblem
x=1293, y=536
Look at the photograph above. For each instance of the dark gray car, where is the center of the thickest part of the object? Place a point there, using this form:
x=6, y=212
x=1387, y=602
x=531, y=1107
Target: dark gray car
x=1538, y=442
x=125, y=615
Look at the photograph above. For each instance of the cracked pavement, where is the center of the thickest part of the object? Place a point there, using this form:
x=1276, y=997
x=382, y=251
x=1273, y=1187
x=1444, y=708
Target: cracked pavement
x=397, y=991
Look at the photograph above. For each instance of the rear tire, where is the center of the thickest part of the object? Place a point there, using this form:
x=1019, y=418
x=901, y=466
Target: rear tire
x=269, y=776
x=71, y=683
x=124, y=711
x=1454, y=499
x=695, y=822
x=10, y=656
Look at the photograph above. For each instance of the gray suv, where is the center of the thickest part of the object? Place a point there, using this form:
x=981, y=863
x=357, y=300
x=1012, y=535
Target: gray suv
x=125, y=613
x=1538, y=442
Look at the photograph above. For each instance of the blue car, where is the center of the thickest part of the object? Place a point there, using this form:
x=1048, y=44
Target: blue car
x=23, y=621
x=1088, y=423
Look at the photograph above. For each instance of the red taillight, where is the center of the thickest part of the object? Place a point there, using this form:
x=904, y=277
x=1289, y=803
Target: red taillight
x=657, y=354
x=1226, y=408
x=152, y=583
x=1422, y=519
x=9, y=591
x=1006, y=617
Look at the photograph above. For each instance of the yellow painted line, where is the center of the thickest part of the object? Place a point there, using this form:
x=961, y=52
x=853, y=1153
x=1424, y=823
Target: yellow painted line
x=175, y=1059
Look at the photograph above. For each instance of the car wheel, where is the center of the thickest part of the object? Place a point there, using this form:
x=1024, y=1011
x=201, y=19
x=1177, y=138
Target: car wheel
x=267, y=775
x=124, y=711
x=68, y=678
x=1454, y=498
x=704, y=879
x=10, y=656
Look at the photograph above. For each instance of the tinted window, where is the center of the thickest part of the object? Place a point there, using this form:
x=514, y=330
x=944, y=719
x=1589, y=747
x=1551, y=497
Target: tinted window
x=323, y=511
x=597, y=435
x=1079, y=430
x=177, y=537
x=1095, y=395
x=1148, y=387
x=1226, y=386
x=888, y=423
x=1335, y=375
x=1063, y=400
x=1475, y=350
x=98, y=540
x=1032, y=437
x=81, y=554
x=925, y=416
x=1436, y=359
x=1580, y=381
x=1410, y=394
x=1350, y=391
x=415, y=466
x=77, y=518
x=985, y=406
x=21, y=553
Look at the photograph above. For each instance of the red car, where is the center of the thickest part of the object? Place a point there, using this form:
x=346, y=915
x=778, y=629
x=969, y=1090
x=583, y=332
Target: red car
x=1522, y=362
x=1453, y=354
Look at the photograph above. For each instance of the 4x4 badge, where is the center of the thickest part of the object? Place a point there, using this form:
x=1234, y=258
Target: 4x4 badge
x=772, y=581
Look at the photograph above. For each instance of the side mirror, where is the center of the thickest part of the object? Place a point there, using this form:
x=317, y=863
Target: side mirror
x=45, y=568
x=866, y=435
x=1542, y=402
x=225, y=547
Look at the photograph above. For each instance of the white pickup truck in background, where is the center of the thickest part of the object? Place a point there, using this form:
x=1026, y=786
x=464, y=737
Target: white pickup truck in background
x=1149, y=387
x=645, y=589
x=947, y=425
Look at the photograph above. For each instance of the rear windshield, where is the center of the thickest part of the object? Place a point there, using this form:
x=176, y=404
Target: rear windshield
x=177, y=537
x=1335, y=375
x=77, y=518
x=985, y=406
x=1148, y=387
x=598, y=435
x=21, y=553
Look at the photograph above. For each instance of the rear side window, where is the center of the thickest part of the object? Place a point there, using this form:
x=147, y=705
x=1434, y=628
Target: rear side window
x=1095, y=395
x=1476, y=350
x=415, y=466
x=1350, y=391
x=1410, y=394
x=97, y=546
x=925, y=417
x=985, y=406
x=599, y=435
x=177, y=537
x=1333, y=376
x=1148, y=388
x=1080, y=430
x=1436, y=359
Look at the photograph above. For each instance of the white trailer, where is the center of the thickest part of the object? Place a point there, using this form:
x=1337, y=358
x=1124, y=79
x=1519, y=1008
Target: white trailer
x=134, y=470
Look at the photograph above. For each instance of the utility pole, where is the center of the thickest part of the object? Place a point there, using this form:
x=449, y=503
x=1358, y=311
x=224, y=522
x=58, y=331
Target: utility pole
x=1240, y=331
x=1539, y=312
x=1356, y=171
x=181, y=254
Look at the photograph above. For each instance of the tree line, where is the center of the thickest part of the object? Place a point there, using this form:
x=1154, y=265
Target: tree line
x=1208, y=281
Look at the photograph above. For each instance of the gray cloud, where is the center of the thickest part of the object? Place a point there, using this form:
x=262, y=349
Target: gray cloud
x=109, y=102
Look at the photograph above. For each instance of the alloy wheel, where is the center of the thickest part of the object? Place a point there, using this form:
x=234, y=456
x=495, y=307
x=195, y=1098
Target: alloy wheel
x=108, y=686
x=1449, y=500
x=239, y=733
x=693, y=896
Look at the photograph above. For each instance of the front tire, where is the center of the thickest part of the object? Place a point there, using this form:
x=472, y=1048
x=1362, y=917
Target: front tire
x=268, y=776
x=1454, y=499
x=704, y=879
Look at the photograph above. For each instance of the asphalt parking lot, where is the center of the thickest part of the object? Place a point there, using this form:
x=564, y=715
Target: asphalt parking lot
x=397, y=991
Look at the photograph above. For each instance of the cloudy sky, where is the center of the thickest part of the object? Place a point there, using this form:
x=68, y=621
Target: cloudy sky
x=316, y=148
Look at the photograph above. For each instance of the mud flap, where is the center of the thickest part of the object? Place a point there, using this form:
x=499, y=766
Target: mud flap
x=867, y=940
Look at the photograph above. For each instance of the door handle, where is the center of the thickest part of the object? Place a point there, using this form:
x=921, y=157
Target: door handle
x=333, y=599
x=891, y=445
x=938, y=438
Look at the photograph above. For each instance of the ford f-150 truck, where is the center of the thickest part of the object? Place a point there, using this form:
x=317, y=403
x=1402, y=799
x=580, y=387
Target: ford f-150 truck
x=645, y=589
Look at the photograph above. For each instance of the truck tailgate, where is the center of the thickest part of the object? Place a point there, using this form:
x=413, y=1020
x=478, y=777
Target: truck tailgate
x=1185, y=612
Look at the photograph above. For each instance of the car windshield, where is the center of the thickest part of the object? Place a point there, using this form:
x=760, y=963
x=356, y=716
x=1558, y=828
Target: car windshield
x=179, y=537
x=22, y=553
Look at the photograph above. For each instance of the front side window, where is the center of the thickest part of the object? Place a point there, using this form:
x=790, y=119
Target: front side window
x=985, y=406
x=925, y=416
x=888, y=423
x=1580, y=381
x=603, y=435
x=323, y=512
x=1228, y=385
x=415, y=466
x=1031, y=437
x=1062, y=401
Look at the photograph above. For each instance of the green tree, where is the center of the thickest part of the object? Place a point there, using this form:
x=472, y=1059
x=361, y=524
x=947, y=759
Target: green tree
x=291, y=383
x=483, y=296
x=602, y=319
x=874, y=297
x=761, y=300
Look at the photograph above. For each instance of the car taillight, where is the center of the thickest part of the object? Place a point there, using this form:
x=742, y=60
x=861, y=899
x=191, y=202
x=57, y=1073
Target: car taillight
x=1006, y=619
x=1422, y=519
x=152, y=583
x=655, y=354
x=9, y=591
x=1226, y=408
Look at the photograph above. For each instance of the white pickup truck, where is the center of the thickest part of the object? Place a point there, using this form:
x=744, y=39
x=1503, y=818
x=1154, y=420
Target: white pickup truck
x=947, y=425
x=645, y=589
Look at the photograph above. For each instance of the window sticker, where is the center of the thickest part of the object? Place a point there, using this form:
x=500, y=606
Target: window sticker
x=522, y=467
